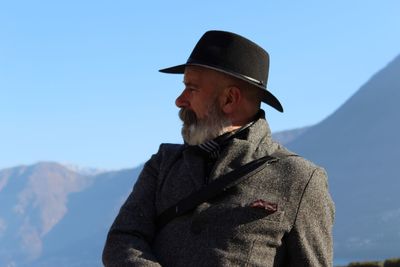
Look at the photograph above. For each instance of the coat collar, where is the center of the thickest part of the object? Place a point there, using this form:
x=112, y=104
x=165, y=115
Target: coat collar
x=255, y=143
x=252, y=143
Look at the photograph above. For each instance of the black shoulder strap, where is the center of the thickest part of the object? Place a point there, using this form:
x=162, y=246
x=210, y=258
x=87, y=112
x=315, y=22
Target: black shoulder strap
x=214, y=188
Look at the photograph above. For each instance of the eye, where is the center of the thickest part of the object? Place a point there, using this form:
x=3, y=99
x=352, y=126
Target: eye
x=191, y=89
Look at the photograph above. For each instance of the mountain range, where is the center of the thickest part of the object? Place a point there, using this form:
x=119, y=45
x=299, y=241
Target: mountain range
x=358, y=145
x=57, y=215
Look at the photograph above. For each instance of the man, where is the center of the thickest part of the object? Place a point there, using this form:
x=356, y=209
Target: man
x=274, y=208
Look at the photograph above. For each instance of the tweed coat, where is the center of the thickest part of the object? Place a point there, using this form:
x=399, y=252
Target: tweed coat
x=226, y=231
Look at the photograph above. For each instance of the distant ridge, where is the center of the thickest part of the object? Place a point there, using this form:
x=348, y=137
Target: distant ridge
x=89, y=171
x=47, y=211
x=33, y=200
x=358, y=145
x=288, y=136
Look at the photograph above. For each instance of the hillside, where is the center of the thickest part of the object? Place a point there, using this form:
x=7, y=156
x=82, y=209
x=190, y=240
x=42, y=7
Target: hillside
x=358, y=145
x=53, y=216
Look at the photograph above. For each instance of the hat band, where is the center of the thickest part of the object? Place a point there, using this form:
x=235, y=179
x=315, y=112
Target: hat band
x=191, y=61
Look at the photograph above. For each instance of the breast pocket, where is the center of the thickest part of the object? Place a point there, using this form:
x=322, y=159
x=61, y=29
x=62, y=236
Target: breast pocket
x=233, y=225
x=249, y=214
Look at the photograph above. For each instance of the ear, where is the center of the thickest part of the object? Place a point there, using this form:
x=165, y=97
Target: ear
x=231, y=99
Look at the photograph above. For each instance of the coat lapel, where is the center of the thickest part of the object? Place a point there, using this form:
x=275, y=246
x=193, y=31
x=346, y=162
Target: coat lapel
x=256, y=143
x=236, y=153
x=194, y=165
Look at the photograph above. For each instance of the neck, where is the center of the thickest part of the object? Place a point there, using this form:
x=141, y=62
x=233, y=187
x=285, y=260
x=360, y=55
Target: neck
x=242, y=120
x=232, y=128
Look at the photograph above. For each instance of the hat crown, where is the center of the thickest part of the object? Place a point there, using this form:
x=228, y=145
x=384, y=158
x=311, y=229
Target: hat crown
x=232, y=53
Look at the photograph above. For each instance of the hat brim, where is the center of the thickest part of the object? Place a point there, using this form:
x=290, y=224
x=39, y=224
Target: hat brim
x=266, y=96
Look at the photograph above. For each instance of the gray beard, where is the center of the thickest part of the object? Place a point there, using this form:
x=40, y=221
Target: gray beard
x=197, y=131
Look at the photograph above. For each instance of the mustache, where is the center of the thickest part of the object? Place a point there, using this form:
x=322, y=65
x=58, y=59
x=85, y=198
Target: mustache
x=187, y=116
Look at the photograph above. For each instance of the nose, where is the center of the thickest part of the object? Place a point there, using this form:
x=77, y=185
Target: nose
x=181, y=101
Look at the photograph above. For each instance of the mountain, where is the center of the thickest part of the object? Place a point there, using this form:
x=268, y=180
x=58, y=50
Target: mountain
x=83, y=230
x=52, y=216
x=288, y=136
x=33, y=200
x=358, y=145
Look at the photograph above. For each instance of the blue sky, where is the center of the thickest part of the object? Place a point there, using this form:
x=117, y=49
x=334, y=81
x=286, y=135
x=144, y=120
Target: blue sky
x=79, y=80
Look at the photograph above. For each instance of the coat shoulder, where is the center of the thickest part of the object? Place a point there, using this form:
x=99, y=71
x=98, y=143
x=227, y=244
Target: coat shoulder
x=168, y=154
x=298, y=167
x=168, y=148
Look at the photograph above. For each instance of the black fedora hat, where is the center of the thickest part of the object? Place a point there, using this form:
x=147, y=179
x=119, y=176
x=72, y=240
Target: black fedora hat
x=234, y=55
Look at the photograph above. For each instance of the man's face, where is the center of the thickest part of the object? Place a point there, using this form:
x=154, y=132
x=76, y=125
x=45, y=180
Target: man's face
x=201, y=113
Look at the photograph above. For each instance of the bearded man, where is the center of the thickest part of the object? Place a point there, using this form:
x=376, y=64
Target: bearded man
x=230, y=195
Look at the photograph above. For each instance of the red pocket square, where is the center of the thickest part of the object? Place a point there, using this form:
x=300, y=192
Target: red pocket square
x=262, y=204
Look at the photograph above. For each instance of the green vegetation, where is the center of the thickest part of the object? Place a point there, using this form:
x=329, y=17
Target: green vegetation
x=366, y=264
x=387, y=263
x=392, y=263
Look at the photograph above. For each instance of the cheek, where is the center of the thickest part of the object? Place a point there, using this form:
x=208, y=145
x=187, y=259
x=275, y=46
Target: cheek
x=198, y=108
x=202, y=104
x=202, y=111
